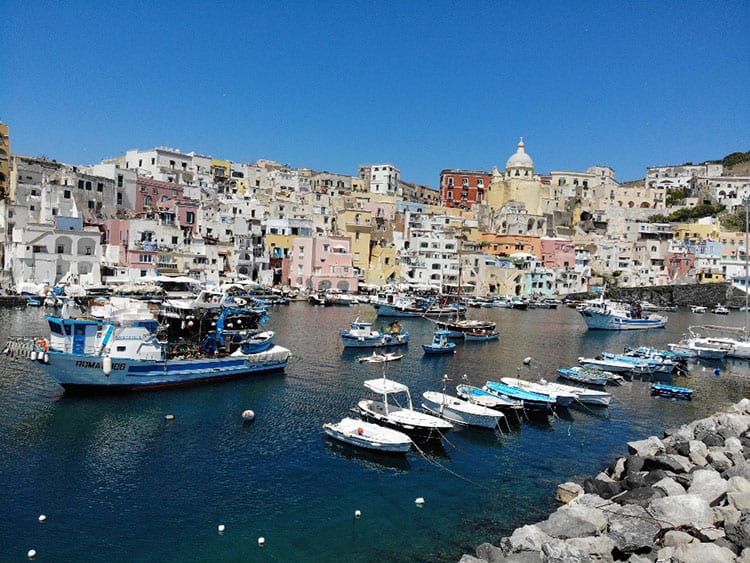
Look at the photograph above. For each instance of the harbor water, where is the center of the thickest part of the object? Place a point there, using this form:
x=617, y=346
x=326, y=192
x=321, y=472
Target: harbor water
x=118, y=481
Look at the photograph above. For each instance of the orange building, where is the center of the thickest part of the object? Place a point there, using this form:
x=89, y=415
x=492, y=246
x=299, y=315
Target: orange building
x=496, y=244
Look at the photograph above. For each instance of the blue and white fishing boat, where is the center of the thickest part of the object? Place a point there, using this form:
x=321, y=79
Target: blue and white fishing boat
x=582, y=395
x=487, y=399
x=531, y=401
x=481, y=336
x=591, y=376
x=561, y=398
x=84, y=354
x=440, y=344
x=604, y=314
x=671, y=392
x=643, y=365
x=362, y=335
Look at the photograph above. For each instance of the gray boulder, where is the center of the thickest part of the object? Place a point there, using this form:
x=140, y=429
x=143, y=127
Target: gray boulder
x=566, y=492
x=599, y=548
x=670, y=487
x=718, y=459
x=490, y=553
x=642, y=496
x=526, y=538
x=738, y=485
x=574, y=521
x=673, y=538
x=558, y=551
x=709, y=485
x=681, y=510
x=632, y=528
x=739, y=532
x=649, y=447
x=700, y=553
x=739, y=470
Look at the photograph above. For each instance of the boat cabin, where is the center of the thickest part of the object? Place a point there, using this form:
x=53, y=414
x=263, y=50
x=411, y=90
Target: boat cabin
x=83, y=337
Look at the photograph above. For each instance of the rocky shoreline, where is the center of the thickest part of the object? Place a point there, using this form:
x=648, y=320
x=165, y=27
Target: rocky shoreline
x=681, y=498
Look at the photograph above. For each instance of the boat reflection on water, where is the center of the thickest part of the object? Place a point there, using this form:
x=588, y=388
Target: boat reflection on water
x=367, y=458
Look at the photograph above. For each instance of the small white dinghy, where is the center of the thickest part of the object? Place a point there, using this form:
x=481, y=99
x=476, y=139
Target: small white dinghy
x=367, y=435
x=380, y=357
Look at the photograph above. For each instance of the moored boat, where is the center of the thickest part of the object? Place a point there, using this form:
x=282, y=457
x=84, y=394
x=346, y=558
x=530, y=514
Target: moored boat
x=487, y=399
x=439, y=344
x=368, y=435
x=481, y=336
x=671, y=391
x=582, y=395
x=460, y=411
x=531, y=401
x=416, y=424
x=380, y=357
x=591, y=376
x=561, y=398
x=604, y=314
x=362, y=335
x=90, y=354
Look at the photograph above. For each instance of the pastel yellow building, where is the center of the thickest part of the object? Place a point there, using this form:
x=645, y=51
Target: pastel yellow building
x=518, y=183
x=384, y=267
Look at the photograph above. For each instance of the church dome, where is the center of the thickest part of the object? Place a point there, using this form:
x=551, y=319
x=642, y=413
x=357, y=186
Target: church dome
x=520, y=159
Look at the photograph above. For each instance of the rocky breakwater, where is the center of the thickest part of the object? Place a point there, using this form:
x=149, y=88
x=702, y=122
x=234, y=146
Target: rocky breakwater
x=682, y=498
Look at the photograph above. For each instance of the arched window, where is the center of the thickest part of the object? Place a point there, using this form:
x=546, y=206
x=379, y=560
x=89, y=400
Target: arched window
x=148, y=201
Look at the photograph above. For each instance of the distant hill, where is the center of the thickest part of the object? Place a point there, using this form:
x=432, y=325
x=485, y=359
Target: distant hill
x=735, y=164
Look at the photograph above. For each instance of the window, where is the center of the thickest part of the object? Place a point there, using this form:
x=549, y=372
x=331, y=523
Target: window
x=60, y=249
x=88, y=251
x=80, y=184
x=54, y=211
x=144, y=258
x=99, y=186
x=190, y=219
x=88, y=185
x=119, y=198
x=66, y=194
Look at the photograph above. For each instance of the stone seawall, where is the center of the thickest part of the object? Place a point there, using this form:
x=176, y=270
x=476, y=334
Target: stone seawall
x=681, y=498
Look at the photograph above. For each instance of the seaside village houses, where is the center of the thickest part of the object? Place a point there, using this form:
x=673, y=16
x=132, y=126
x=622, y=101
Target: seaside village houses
x=505, y=232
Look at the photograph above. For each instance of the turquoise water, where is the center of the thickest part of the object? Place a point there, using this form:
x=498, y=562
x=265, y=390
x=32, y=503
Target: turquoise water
x=118, y=482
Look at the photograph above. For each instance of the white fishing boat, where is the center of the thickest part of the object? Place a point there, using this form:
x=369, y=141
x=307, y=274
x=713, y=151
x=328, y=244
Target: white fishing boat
x=459, y=411
x=485, y=398
x=369, y=436
x=605, y=314
x=563, y=399
x=703, y=348
x=700, y=309
x=720, y=310
x=416, y=424
x=614, y=366
x=582, y=395
x=380, y=357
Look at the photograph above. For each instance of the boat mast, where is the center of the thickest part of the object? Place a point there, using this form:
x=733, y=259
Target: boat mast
x=747, y=224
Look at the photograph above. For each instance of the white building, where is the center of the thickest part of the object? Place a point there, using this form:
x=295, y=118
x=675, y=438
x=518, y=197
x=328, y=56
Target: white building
x=381, y=179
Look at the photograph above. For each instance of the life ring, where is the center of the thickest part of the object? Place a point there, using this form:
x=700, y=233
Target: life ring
x=360, y=431
x=43, y=344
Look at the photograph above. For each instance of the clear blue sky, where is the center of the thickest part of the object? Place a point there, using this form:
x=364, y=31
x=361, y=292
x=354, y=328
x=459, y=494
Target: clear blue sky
x=423, y=85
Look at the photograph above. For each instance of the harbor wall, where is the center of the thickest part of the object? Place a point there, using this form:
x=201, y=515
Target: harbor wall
x=706, y=294
x=681, y=498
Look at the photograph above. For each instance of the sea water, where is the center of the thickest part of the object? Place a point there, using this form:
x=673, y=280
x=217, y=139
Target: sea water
x=117, y=481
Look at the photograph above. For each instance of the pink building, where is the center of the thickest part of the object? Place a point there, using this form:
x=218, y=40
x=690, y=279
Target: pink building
x=322, y=263
x=558, y=254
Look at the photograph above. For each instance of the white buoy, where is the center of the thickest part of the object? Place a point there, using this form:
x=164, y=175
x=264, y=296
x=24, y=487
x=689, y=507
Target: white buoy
x=419, y=502
x=248, y=415
x=31, y=553
x=261, y=542
x=42, y=518
x=169, y=417
x=221, y=528
x=32, y=356
x=357, y=514
x=46, y=358
x=107, y=365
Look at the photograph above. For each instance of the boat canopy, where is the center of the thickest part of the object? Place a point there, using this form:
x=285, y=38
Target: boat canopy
x=383, y=386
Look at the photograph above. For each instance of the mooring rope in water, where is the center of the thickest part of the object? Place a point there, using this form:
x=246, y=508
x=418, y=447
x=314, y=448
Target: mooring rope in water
x=446, y=469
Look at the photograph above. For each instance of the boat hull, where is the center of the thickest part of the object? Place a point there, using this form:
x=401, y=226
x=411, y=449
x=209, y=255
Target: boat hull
x=380, y=341
x=413, y=424
x=459, y=416
x=77, y=372
x=605, y=321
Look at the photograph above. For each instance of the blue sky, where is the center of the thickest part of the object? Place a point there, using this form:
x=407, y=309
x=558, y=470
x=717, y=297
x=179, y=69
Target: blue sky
x=422, y=85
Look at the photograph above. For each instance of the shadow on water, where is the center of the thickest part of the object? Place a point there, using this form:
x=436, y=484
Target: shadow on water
x=368, y=459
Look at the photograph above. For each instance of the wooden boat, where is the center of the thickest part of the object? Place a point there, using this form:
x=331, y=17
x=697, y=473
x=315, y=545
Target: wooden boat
x=369, y=436
x=481, y=336
x=671, y=392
